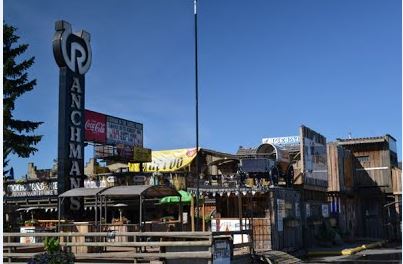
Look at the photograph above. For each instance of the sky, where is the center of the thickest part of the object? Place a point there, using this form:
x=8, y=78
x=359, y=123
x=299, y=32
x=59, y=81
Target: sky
x=265, y=68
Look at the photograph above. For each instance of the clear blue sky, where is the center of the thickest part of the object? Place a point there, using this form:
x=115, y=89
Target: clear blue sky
x=265, y=68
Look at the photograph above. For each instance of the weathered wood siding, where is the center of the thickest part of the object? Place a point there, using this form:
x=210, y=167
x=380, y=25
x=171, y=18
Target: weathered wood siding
x=397, y=180
x=340, y=171
x=371, y=165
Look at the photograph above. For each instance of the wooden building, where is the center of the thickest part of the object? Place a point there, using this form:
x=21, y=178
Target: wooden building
x=372, y=184
x=340, y=189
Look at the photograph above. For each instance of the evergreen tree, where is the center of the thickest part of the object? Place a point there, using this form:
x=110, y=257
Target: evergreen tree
x=17, y=134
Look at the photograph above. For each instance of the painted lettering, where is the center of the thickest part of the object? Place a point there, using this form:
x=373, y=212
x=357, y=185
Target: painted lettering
x=76, y=85
x=75, y=134
x=75, y=151
x=74, y=119
x=75, y=169
x=75, y=101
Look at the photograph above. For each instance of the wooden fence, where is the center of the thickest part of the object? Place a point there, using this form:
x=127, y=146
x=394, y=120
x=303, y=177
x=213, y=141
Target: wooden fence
x=103, y=246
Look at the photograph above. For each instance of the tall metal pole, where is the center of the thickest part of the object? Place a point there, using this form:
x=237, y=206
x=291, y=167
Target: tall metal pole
x=197, y=115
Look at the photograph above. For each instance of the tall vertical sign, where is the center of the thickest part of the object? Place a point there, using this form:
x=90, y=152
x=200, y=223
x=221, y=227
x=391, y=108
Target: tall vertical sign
x=72, y=52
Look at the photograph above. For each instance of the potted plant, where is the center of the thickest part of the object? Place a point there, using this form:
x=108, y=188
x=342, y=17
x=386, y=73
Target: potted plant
x=31, y=222
x=53, y=254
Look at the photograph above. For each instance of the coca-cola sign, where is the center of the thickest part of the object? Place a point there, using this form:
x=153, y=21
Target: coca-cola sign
x=95, y=127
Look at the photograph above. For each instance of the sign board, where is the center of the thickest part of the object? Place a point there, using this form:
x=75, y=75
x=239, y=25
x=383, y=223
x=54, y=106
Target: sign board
x=119, y=152
x=307, y=210
x=325, y=210
x=95, y=127
x=222, y=251
x=27, y=230
x=43, y=188
x=73, y=55
x=228, y=224
x=314, y=157
x=279, y=141
x=166, y=161
x=280, y=214
x=121, y=131
x=141, y=154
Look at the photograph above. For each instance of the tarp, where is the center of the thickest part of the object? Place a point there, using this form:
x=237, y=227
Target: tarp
x=186, y=198
x=166, y=161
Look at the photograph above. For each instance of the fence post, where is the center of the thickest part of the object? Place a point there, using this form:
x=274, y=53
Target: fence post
x=210, y=249
x=9, y=248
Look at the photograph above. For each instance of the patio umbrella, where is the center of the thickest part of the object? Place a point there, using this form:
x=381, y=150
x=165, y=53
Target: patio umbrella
x=186, y=198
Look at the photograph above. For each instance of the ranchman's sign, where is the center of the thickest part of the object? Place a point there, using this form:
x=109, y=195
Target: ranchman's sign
x=72, y=52
x=32, y=189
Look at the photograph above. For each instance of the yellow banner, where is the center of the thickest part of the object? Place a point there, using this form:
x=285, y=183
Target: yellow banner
x=166, y=161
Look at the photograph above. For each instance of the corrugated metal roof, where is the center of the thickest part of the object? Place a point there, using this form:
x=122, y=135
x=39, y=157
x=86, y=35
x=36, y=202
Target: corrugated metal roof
x=246, y=151
x=364, y=140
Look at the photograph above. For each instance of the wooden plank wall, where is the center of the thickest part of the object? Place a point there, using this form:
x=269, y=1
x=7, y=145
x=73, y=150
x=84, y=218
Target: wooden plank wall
x=376, y=170
x=340, y=170
x=397, y=181
x=348, y=169
x=333, y=168
x=262, y=233
x=265, y=229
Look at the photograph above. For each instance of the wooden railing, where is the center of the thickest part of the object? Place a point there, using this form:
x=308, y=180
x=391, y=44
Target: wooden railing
x=93, y=246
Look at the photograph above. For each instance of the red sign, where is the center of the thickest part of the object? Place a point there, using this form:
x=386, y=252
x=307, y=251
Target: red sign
x=95, y=127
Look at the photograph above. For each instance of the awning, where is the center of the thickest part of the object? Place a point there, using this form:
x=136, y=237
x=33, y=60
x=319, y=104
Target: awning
x=166, y=161
x=146, y=191
x=82, y=192
x=186, y=198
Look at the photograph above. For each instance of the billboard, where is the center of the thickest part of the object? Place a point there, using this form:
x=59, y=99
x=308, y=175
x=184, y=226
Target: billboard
x=314, y=156
x=110, y=130
x=95, y=127
x=121, y=131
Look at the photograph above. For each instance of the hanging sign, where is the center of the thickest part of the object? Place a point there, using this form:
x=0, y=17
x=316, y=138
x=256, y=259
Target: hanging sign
x=72, y=52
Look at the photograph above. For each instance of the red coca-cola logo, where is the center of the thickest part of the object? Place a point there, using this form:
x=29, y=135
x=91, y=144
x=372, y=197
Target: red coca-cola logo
x=95, y=126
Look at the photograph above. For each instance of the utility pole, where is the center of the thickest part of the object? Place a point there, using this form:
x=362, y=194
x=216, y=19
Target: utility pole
x=197, y=116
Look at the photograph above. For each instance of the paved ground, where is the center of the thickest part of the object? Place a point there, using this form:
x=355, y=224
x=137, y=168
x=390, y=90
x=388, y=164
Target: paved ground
x=390, y=253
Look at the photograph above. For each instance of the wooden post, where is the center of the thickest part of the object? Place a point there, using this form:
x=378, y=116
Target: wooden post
x=240, y=213
x=192, y=213
x=180, y=213
x=203, y=216
x=141, y=214
x=9, y=248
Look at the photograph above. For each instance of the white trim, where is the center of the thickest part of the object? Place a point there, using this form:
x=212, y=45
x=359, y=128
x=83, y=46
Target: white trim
x=373, y=168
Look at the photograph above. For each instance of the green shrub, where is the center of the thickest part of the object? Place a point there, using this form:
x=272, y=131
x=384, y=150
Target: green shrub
x=53, y=254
